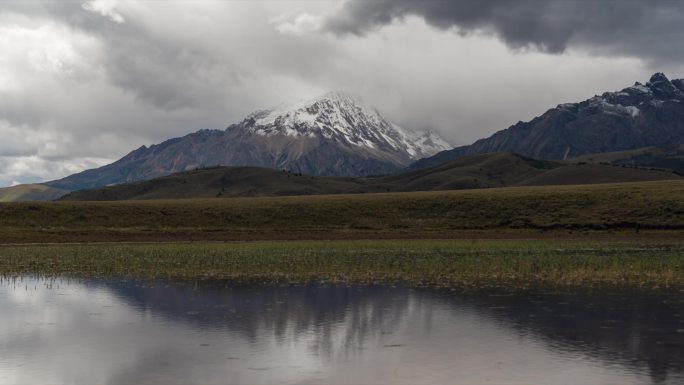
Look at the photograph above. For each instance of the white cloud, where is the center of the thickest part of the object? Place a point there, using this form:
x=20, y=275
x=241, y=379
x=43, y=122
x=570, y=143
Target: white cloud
x=31, y=169
x=105, y=8
x=300, y=25
x=35, y=53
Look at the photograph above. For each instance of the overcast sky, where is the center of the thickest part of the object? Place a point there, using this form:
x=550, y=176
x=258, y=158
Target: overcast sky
x=82, y=83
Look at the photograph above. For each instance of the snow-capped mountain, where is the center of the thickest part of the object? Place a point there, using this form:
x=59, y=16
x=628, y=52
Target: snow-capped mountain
x=642, y=115
x=334, y=134
x=343, y=119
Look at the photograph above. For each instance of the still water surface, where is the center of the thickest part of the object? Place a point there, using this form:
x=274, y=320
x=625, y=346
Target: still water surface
x=122, y=332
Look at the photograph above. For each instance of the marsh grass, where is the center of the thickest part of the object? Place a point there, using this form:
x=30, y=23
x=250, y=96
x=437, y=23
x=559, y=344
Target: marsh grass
x=418, y=262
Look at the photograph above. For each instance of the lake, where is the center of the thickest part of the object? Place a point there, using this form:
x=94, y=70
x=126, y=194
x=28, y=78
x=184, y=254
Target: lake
x=59, y=331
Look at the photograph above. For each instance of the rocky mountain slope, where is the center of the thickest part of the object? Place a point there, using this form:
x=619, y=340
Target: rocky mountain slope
x=642, y=115
x=334, y=134
x=479, y=171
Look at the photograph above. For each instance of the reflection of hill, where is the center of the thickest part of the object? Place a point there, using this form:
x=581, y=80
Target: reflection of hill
x=636, y=329
x=296, y=311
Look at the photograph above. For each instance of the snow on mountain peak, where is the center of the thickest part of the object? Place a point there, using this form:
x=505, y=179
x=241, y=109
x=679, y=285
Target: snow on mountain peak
x=631, y=100
x=344, y=119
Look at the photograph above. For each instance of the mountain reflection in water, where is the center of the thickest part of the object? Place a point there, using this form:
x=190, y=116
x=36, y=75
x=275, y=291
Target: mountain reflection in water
x=119, y=332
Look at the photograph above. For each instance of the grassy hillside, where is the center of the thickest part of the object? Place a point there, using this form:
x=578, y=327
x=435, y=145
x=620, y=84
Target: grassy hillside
x=225, y=181
x=480, y=171
x=30, y=192
x=442, y=214
x=597, y=173
x=665, y=157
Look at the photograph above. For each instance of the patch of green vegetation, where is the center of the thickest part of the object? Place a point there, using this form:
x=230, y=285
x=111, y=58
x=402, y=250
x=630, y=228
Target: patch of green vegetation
x=425, y=262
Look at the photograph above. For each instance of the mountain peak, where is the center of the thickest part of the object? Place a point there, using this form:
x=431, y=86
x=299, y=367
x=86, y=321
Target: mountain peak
x=658, y=77
x=347, y=120
x=334, y=99
x=663, y=88
x=338, y=95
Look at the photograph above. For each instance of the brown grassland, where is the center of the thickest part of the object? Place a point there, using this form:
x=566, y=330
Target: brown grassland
x=627, y=210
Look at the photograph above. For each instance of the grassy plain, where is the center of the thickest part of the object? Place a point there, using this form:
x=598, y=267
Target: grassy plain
x=629, y=233
x=416, y=262
x=607, y=210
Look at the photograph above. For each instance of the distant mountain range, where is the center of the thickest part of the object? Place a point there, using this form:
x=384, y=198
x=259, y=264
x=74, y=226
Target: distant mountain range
x=478, y=171
x=334, y=135
x=338, y=135
x=642, y=115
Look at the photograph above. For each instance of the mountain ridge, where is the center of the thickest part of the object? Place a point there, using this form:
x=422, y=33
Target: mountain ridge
x=641, y=115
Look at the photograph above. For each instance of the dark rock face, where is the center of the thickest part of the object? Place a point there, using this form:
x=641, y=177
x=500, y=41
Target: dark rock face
x=642, y=115
x=334, y=135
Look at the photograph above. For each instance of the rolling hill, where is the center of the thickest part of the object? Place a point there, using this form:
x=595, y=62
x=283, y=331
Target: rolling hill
x=481, y=171
x=30, y=192
x=665, y=157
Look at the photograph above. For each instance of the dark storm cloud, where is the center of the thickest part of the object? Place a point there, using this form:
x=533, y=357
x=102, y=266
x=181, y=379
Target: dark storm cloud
x=649, y=29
